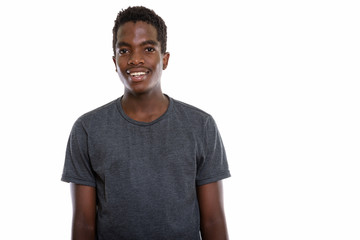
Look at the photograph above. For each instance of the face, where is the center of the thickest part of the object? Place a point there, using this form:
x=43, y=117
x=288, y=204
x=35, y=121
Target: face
x=139, y=61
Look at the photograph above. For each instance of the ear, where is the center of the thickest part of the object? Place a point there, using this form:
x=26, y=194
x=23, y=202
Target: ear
x=114, y=60
x=165, y=57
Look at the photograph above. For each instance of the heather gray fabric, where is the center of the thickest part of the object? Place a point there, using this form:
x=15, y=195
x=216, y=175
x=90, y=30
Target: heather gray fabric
x=146, y=174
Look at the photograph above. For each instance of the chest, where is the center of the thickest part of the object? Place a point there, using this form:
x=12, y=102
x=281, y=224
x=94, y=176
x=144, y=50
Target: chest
x=129, y=154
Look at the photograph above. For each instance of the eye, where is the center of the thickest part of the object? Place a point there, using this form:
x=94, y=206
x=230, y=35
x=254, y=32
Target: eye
x=150, y=49
x=123, y=51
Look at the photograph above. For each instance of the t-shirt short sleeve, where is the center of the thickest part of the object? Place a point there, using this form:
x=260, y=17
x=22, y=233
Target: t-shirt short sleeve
x=212, y=165
x=77, y=166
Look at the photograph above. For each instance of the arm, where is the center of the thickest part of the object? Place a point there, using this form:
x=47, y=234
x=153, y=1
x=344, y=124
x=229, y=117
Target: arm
x=212, y=216
x=84, y=212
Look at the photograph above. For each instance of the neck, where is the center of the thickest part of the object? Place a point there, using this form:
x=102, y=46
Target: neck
x=144, y=107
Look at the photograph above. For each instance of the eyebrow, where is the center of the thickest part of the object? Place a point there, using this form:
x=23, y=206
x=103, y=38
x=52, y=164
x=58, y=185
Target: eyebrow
x=147, y=42
x=120, y=44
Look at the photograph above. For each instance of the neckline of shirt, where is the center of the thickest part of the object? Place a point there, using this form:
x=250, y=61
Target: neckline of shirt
x=127, y=118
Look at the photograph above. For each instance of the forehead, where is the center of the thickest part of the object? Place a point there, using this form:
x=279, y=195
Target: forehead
x=138, y=31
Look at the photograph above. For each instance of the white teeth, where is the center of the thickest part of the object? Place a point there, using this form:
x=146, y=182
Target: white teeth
x=137, y=73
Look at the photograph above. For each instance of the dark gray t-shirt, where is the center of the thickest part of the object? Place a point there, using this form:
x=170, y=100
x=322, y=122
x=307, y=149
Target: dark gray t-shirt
x=145, y=174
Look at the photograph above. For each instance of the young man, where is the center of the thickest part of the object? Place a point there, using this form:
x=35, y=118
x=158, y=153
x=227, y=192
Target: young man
x=145, y=166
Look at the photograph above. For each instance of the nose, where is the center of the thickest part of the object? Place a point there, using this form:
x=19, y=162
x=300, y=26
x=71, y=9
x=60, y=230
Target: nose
x=136, y=58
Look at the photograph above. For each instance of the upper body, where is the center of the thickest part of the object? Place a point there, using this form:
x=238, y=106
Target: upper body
x=145, y=166
x=146, y=174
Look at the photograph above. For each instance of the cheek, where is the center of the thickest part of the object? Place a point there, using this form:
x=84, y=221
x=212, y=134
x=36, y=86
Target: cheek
x=121, y=65
x=158, y=64
x=121, y=68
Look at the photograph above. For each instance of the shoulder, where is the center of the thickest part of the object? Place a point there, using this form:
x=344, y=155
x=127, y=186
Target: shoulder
x=98, y=115
x=191, y=111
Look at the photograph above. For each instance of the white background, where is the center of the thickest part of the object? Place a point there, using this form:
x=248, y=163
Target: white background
x=281, y=78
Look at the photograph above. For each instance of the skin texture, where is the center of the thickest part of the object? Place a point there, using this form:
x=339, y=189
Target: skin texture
x=212, y=217
x=138, y=50
x=84, y=212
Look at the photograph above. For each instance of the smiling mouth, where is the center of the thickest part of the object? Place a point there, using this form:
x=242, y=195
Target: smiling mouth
x=136, y=74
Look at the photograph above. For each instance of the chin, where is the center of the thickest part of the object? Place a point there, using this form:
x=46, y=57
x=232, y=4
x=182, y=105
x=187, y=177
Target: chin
x=138, y=91
x=144, y=88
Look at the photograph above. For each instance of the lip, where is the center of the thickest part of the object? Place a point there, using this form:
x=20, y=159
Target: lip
x=133, y=70
x=137, y=78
